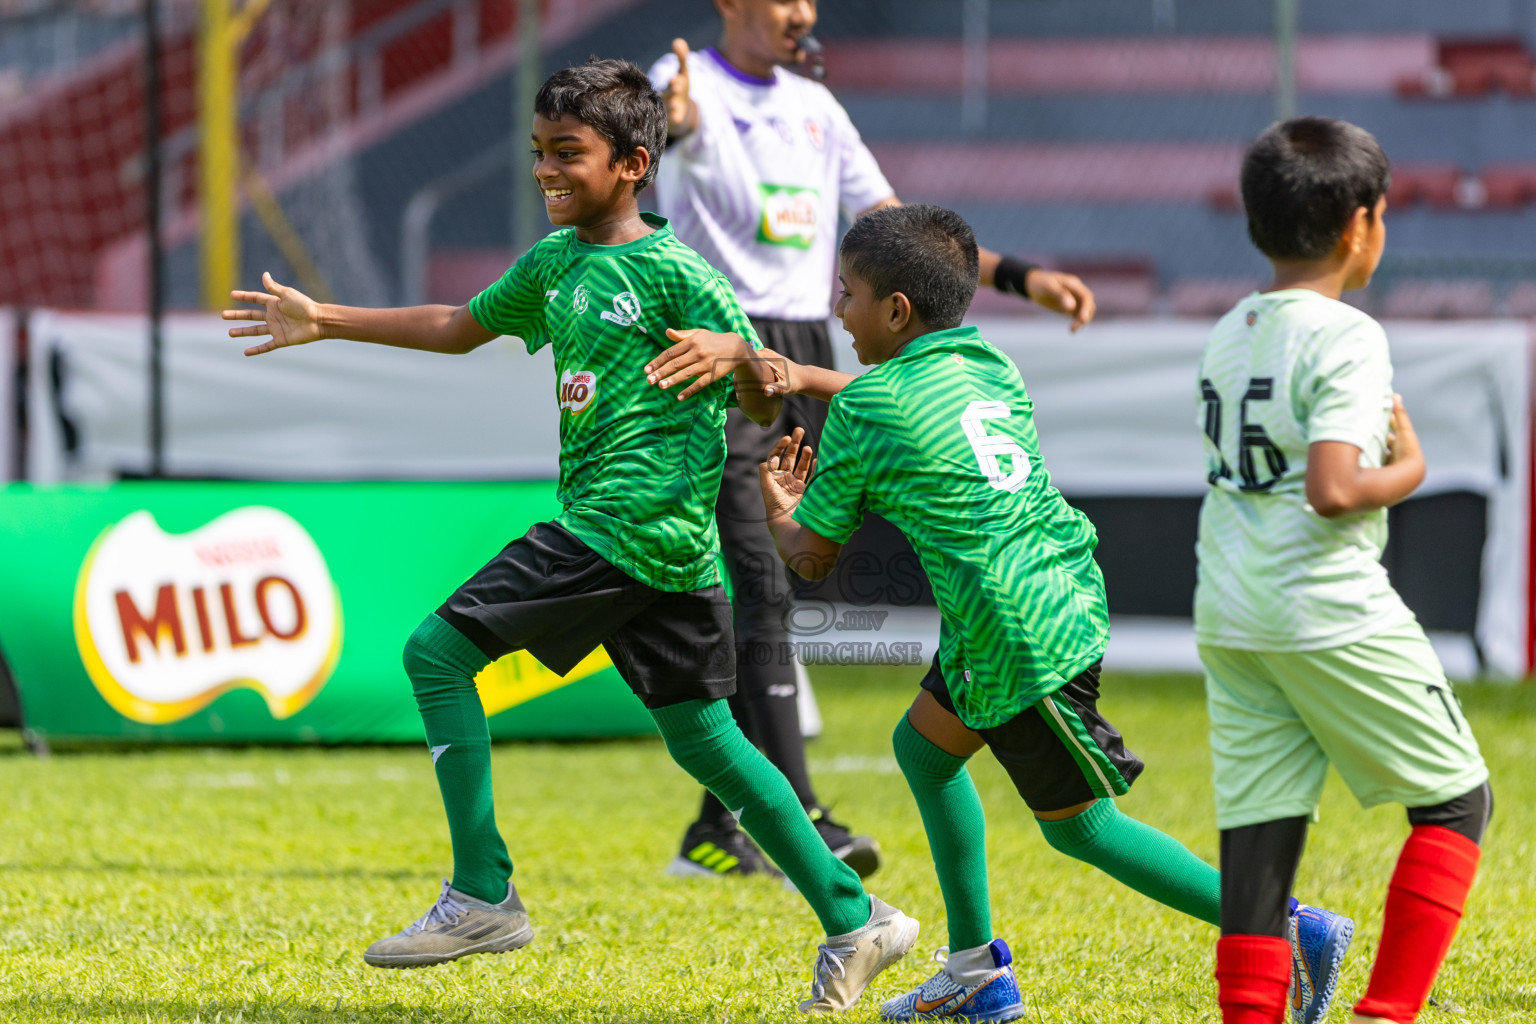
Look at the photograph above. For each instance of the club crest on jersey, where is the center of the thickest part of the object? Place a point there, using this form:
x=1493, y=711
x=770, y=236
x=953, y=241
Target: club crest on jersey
x=580, y=299
x=577, y=389
x=789, y=216
x=626, y=311
x=1252, y=317
x=814, y=133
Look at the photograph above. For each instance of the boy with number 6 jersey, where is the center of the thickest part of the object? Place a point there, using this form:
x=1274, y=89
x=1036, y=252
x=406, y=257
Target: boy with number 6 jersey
x=939, y=439
x=1311, y=657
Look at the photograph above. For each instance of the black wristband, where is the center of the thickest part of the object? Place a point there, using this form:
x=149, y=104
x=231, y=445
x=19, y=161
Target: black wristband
x=1011, y=274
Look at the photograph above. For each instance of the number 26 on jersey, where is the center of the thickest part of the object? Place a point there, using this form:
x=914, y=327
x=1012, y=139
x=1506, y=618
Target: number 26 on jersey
x=1251, y=439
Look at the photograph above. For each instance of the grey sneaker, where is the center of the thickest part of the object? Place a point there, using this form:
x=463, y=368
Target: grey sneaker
x=845, y=964
x=457, y=925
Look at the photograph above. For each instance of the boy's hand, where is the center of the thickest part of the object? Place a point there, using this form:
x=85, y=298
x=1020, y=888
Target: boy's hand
x=288, y=315
x=680, y=109
x=1402, y=439
x=705, y=355
x=785, y=474
x=1061, y=293
x=792, y=379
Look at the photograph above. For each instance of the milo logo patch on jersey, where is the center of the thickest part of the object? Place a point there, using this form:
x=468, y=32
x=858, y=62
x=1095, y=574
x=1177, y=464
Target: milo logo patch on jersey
x=789, y=215
x=577, y=389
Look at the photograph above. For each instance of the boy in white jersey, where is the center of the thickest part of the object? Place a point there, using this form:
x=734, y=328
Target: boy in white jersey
x=1311, y=657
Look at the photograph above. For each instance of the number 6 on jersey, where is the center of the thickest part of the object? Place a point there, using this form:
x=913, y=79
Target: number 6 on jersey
x=988, y=447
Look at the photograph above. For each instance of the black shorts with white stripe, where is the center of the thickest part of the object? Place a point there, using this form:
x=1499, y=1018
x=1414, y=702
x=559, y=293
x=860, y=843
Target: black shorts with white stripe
x=1059, y=751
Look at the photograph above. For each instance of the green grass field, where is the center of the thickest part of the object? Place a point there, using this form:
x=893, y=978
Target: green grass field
x=242, y=885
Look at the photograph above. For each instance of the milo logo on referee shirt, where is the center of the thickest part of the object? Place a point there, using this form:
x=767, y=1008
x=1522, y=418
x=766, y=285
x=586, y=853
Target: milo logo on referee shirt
x=577, y=389
x=789, y=215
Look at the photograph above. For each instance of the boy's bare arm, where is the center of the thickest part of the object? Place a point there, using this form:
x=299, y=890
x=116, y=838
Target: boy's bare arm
x=292, y=318
x=784, y=476
x=806, y=379
x=706, y=356
x=1338, y=485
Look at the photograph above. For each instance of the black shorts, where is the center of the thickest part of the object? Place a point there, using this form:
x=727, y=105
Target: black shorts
x=553, y=596
x=1059, y=752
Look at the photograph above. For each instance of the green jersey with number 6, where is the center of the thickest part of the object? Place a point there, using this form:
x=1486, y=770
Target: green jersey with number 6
x=940, y=440
x=1282, y=371
x=639, y=470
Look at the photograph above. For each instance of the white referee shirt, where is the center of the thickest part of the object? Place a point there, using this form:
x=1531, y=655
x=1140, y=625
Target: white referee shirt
x=757, y=187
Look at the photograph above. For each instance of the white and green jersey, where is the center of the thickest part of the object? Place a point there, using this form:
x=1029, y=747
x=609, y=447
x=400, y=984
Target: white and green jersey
x=639, y=470
x=1281, y=371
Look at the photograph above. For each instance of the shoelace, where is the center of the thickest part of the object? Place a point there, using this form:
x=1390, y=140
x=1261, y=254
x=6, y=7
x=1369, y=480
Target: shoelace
x=829, y=965
x=941, y=955
x=446, y=910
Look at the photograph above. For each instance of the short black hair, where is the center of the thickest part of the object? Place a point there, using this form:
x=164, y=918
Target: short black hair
x=615, y=99
x=1303, y=179
x=925, y=252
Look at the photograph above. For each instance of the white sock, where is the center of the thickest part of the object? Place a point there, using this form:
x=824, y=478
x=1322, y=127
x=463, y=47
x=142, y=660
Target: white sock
x=970, y=967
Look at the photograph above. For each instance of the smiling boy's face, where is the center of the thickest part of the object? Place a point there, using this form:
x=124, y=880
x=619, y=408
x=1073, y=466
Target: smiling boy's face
x=865, y=317
x=571, y=165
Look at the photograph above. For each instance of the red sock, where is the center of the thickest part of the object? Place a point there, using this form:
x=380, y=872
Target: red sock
x=1424, y=904
x=1253, y=978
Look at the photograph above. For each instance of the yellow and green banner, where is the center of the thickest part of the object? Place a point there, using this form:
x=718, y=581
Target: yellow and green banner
x=264, y=612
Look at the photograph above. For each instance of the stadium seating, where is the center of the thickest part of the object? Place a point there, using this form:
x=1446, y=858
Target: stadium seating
x=1105, y=142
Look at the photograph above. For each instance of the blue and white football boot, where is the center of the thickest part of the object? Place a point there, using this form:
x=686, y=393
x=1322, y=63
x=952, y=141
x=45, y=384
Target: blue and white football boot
x=973, y=985
x=1318, y=941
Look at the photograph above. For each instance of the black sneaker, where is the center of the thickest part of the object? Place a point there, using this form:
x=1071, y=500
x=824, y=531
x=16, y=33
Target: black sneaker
x=861, y=853
x=712, y=849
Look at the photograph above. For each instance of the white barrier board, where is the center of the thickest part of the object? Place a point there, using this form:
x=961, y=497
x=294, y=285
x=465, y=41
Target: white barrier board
x=1116, y=407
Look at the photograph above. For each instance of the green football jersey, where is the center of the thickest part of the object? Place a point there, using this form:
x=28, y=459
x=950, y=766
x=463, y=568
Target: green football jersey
x=639, y=470
x=940, y=440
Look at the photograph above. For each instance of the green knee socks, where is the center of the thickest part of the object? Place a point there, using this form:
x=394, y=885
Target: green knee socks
x=442, y=664
x=708, y=744
x=1151, y=862
x=956, y=828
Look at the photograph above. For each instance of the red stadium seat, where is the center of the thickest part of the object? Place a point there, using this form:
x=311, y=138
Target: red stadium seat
x=1508, y=185
x=1475, y=67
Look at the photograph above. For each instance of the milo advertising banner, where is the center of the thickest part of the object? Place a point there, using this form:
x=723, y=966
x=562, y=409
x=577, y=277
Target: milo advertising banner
x=264, y=612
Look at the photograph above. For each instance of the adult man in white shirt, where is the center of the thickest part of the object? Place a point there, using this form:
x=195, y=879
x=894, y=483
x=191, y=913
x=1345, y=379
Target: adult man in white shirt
x=760, y=163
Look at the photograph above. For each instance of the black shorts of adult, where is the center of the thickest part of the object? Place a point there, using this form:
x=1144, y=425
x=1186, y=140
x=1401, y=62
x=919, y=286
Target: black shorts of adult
x=1059, y=751
x=762, y=588
x=553, y=596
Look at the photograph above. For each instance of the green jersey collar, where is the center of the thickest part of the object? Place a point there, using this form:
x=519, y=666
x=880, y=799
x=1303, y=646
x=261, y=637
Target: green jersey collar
x=663, y=231
x=937, y=340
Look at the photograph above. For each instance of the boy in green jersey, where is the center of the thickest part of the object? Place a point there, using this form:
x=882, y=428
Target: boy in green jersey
x=630, y=563
x=939, y=439
x=1311, y=657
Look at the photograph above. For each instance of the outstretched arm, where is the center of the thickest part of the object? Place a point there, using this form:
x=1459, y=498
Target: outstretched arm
x=783, y=477
x=1337, y=484
x=291, y=318
x=706, y=356
x=806, y=379
x=1054, y=290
